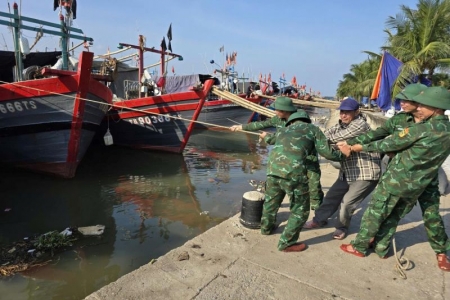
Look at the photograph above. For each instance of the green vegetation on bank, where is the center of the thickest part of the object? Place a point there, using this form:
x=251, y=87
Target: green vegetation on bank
x=419, y=37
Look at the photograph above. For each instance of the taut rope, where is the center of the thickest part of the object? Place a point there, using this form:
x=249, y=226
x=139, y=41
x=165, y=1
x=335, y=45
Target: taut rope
x=243, y=102
x=125, y=107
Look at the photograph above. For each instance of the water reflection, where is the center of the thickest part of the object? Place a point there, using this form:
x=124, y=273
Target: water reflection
x=150, y=203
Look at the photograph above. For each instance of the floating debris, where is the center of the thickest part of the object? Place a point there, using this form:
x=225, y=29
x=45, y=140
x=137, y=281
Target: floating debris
x=66, y=232
x=92, y=230
x=25, y=254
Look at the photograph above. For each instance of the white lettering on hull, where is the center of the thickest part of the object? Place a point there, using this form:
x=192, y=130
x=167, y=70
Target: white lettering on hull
x=17, y=106
x=150, y=120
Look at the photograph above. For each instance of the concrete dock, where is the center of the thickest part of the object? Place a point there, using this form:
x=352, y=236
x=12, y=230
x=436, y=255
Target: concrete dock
x=230, y=261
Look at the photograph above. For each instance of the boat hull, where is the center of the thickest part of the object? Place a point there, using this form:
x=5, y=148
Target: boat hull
x=166, y=132
x=147, y=131
x=217, y=114
x=162, y=123
x=46, y=125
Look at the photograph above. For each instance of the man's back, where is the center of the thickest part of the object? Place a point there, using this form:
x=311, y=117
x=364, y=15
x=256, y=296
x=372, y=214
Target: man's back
x=293, y=144
x=422, y=148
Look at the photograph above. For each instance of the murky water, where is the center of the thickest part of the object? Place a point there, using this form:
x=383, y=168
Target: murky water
x=149, y=202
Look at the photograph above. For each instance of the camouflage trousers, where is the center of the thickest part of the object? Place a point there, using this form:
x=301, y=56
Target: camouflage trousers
x=433, y=223
x=315, y=188
x=432, y=220
x=297, y=191
x=380, y=220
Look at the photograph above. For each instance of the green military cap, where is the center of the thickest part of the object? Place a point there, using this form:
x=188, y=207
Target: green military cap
x=435, y=96
x=300, y=114
x=284, y=104
x=410, y=91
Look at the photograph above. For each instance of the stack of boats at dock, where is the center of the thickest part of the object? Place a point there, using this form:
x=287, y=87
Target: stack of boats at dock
x=52, y=106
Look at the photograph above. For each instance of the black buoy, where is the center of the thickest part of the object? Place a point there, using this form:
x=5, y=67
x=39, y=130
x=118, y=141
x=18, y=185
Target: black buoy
x=251, y=212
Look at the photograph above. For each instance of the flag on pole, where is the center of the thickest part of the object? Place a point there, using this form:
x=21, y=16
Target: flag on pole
x=169, y=34
x=233, y=57
x=221, y=49
x=173, y=69
x=170, y=46
x=163, y=44
x=388, y=72
x=294, y=81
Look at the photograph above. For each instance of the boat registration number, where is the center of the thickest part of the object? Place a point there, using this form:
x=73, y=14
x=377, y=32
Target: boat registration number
x=17, y=106
x=149, y=120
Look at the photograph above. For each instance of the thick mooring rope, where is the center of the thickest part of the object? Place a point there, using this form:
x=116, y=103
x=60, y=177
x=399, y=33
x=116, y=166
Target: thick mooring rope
x=125, y=107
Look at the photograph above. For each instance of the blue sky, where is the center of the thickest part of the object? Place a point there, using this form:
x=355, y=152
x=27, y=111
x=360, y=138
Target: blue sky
x=317, y=41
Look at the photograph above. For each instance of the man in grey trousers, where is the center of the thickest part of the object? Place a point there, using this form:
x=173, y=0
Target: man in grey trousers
x=358, y=174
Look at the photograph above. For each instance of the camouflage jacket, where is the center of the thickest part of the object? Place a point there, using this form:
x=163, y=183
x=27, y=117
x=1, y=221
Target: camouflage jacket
x=293, y=144
x=278, y=124
x=394, y=124
x=422, y=148
x=270, y=122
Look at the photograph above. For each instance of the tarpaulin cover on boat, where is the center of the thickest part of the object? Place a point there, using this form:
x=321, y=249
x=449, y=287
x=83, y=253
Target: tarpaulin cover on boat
x=173, y=84
x=8, y=61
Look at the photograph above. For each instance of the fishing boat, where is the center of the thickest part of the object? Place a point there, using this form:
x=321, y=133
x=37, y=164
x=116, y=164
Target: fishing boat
x=161, y=122
x=161, y=112
x=48, y=116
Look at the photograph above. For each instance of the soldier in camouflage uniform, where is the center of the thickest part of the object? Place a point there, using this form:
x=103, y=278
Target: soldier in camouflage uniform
x=287, y=175
x=312, y=161
x=420, y=151
x=430, y=198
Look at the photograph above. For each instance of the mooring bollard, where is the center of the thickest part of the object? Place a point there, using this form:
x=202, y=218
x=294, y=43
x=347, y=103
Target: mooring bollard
x=251, y=212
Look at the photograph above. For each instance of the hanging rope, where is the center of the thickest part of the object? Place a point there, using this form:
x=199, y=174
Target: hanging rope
x=127, y=108
x=39, y=35
x=402, y=264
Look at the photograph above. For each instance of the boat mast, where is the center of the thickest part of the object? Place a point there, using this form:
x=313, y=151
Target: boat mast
x=17, y=52
x=65, y=22
x=141, y=49
x=65, y=32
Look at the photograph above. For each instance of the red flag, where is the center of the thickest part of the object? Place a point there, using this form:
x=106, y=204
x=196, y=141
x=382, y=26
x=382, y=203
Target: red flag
x=173, y=69
x=294, y=81
x=269, y=79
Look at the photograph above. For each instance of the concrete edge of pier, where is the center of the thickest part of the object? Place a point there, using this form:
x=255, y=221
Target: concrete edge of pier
x=230, y=261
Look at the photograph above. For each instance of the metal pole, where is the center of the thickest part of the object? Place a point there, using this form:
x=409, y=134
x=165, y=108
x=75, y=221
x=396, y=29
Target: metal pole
x=65, y=58
x=18, y=54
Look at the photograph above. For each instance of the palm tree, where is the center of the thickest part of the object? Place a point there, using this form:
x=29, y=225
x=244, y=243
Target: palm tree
x=360, y=81
x=420, y=39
